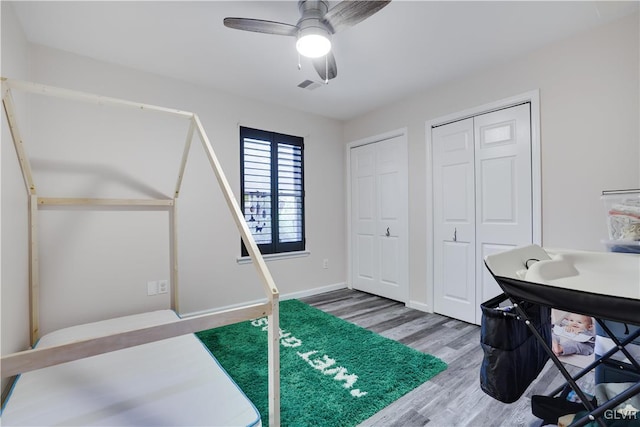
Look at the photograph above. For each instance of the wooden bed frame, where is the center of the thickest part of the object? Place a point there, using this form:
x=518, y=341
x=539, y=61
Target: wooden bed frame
x=16, y=363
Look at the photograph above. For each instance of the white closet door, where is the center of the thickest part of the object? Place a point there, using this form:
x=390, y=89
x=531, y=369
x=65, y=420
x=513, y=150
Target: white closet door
x=379, y=218
x=482, y=204
x=364, y=217
x=503, y=189
x=454, y=218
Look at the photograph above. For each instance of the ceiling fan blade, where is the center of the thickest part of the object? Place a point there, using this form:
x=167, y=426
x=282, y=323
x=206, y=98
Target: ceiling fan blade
x=348, y=13
x=261, y=26
x=324, y=64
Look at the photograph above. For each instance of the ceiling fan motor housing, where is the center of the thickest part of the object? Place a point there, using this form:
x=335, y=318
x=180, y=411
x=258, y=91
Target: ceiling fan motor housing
x=312, y=12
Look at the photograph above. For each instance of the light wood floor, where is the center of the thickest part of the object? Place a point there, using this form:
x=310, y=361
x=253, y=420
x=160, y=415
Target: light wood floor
x=453, y=397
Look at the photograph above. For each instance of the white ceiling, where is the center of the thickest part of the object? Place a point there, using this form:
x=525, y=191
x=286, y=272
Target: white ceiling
x=408, y=46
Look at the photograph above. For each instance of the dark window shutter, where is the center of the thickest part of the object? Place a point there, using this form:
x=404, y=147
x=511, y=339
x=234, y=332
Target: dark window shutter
x=272, y=185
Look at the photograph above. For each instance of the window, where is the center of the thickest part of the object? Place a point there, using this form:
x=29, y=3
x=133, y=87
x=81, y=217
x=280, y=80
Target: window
x=272, y=184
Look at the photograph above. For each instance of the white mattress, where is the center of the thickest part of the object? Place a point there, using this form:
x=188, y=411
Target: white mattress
x=174, y=382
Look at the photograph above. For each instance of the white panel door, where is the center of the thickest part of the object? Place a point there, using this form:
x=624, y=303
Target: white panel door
x=379, y=218
x=364, y=217
x=482, y=204
x=453, y=220
x=504, y=212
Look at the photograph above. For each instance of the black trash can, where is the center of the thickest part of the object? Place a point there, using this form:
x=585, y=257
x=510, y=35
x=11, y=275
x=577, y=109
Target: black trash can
x=513, y=357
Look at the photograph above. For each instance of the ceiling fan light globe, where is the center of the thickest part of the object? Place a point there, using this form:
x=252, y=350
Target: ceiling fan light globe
x=313, y=45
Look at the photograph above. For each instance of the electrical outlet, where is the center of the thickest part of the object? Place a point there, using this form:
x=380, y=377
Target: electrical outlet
x=325, y=263
x=152, y=288
x=163, y=286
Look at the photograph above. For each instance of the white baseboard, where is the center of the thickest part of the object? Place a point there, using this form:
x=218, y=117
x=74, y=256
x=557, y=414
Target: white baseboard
x=314, y=291
x=420, y=306
x=283, y=297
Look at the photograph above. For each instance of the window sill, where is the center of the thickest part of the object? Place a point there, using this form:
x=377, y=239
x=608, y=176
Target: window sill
x=274, y=257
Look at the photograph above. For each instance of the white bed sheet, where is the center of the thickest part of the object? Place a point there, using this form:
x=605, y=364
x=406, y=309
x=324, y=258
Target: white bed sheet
x=174, y=382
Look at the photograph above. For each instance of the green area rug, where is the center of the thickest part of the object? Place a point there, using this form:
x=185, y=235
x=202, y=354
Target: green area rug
x=333, y=373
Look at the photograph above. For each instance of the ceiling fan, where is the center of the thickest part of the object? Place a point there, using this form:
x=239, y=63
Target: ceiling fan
x=314, y=28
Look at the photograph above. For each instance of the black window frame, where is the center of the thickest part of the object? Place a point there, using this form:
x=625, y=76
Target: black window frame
x=274, y=139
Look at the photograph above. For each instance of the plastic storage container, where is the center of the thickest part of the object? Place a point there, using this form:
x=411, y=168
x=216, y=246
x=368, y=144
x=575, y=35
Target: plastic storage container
x=622, y=209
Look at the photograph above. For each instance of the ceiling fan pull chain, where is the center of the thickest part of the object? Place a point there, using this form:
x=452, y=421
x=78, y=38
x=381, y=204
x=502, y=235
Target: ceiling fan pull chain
x=326, y=69
x=299, y=65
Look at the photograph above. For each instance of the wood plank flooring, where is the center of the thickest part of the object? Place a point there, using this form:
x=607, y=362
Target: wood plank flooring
x=453, y=397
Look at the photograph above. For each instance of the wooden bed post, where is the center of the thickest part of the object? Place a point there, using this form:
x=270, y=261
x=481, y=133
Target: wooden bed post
x=175, y=301
x=273, y=357
x=173, y=255
x=34, y=271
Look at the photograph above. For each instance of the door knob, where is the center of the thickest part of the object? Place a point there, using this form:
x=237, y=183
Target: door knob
x=455, y=234
x=388, y=233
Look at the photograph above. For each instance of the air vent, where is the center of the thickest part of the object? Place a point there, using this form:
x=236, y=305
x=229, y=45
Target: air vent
x=309, y=85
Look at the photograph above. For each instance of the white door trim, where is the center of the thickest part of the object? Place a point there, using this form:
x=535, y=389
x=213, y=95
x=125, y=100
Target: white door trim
x=534, y=98
x=402, y=132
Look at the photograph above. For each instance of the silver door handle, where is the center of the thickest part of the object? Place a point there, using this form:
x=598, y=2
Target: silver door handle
x=455, y=234
x=388, y=233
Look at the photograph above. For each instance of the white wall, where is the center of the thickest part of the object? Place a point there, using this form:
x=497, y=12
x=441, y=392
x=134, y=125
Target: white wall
x=95, y=263
x=13, y=223
x=589, y=91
